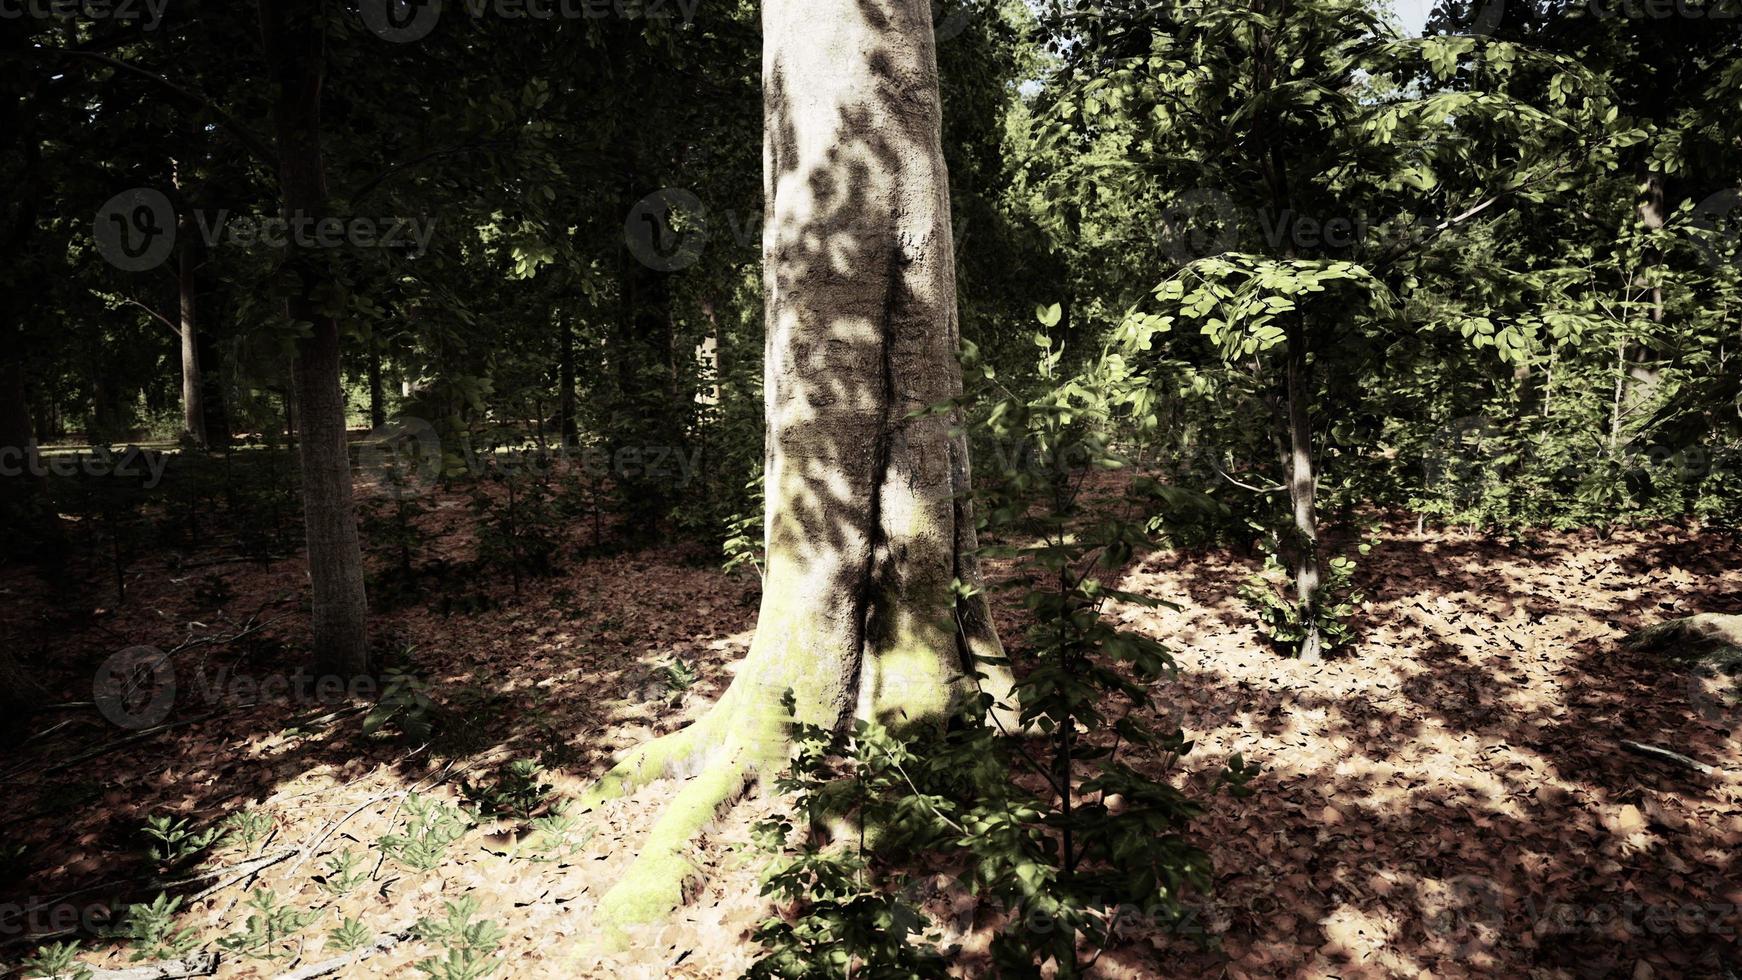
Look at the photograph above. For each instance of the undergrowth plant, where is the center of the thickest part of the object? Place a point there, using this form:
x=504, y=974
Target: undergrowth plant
x=1280, y=618
x=173, y=841
x=269, y=927
x=151, y=930
x=469, y=944
x=57, y=961
x=431, y=827
x=516, y=790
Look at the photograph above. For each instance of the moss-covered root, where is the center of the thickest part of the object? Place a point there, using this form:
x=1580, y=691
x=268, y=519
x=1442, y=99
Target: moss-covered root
x=656, y=881
x=1702, y=637
x=661, y=757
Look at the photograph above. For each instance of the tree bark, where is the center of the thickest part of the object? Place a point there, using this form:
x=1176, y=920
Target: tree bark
x=569, y=431
x=294, y=42
x=868, y=520
x=212, y=397
x=193, y=405
x=377, y=391
x=17, y=225
x=1303, y=494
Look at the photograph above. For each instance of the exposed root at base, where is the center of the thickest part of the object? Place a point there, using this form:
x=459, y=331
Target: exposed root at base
x=658, y=880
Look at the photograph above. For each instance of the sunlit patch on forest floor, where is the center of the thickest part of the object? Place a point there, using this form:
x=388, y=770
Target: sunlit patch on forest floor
x=1449, y=798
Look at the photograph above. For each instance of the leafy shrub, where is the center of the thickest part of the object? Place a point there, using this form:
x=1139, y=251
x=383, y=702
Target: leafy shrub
x=1280, y=618
x=516, y=791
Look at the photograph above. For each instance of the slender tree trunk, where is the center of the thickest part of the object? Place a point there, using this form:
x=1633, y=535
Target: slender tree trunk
x=377, y=390
x=213, y=397
x=17, y=481
x=1302, y=494
x=294, y=42
x=570, y=432
x=646, y=411
x=193, y=405
x=18, y=489
x=868, y=515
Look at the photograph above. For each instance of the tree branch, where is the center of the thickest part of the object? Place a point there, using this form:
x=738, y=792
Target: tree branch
x=249, y=140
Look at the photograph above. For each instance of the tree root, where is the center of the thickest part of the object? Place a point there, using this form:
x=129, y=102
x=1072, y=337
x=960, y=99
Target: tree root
x=720, y=756
x=1702, y=637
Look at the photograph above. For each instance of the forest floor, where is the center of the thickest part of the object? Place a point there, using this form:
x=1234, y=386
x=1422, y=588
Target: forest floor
x=1450, y=797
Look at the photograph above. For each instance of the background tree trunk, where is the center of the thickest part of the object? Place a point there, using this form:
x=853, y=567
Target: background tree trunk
x=868, y=518
x=193, y=404
x=293, y=38
x=213, y=397
x=565, y=411
x=1303, y=495
x=377, y=390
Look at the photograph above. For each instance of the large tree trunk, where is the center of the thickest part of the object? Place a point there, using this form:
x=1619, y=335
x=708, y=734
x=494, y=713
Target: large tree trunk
x=868, y=515
x=292, y=35
x=1303, y=494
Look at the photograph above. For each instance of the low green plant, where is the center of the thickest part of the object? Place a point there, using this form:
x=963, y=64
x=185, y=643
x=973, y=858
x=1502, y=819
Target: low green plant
x=151, y=929
x=552, y=836
x=744, y=545
x=519, y=530
x=393, y=535
x=1280, y=617
x=172, y=841
x=515, y=791
x=431, y=827
x=404, y=705
x=470, y=945
x=1060, y=827
x=268, y=926
x=350, y=936
x=57, y=961
x=678, y=674
x=245, y=828
x=344, y=872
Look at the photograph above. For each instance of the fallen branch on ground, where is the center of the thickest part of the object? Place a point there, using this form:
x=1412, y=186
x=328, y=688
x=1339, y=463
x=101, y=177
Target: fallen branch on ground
x=197, y=965
x=1652, y=751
